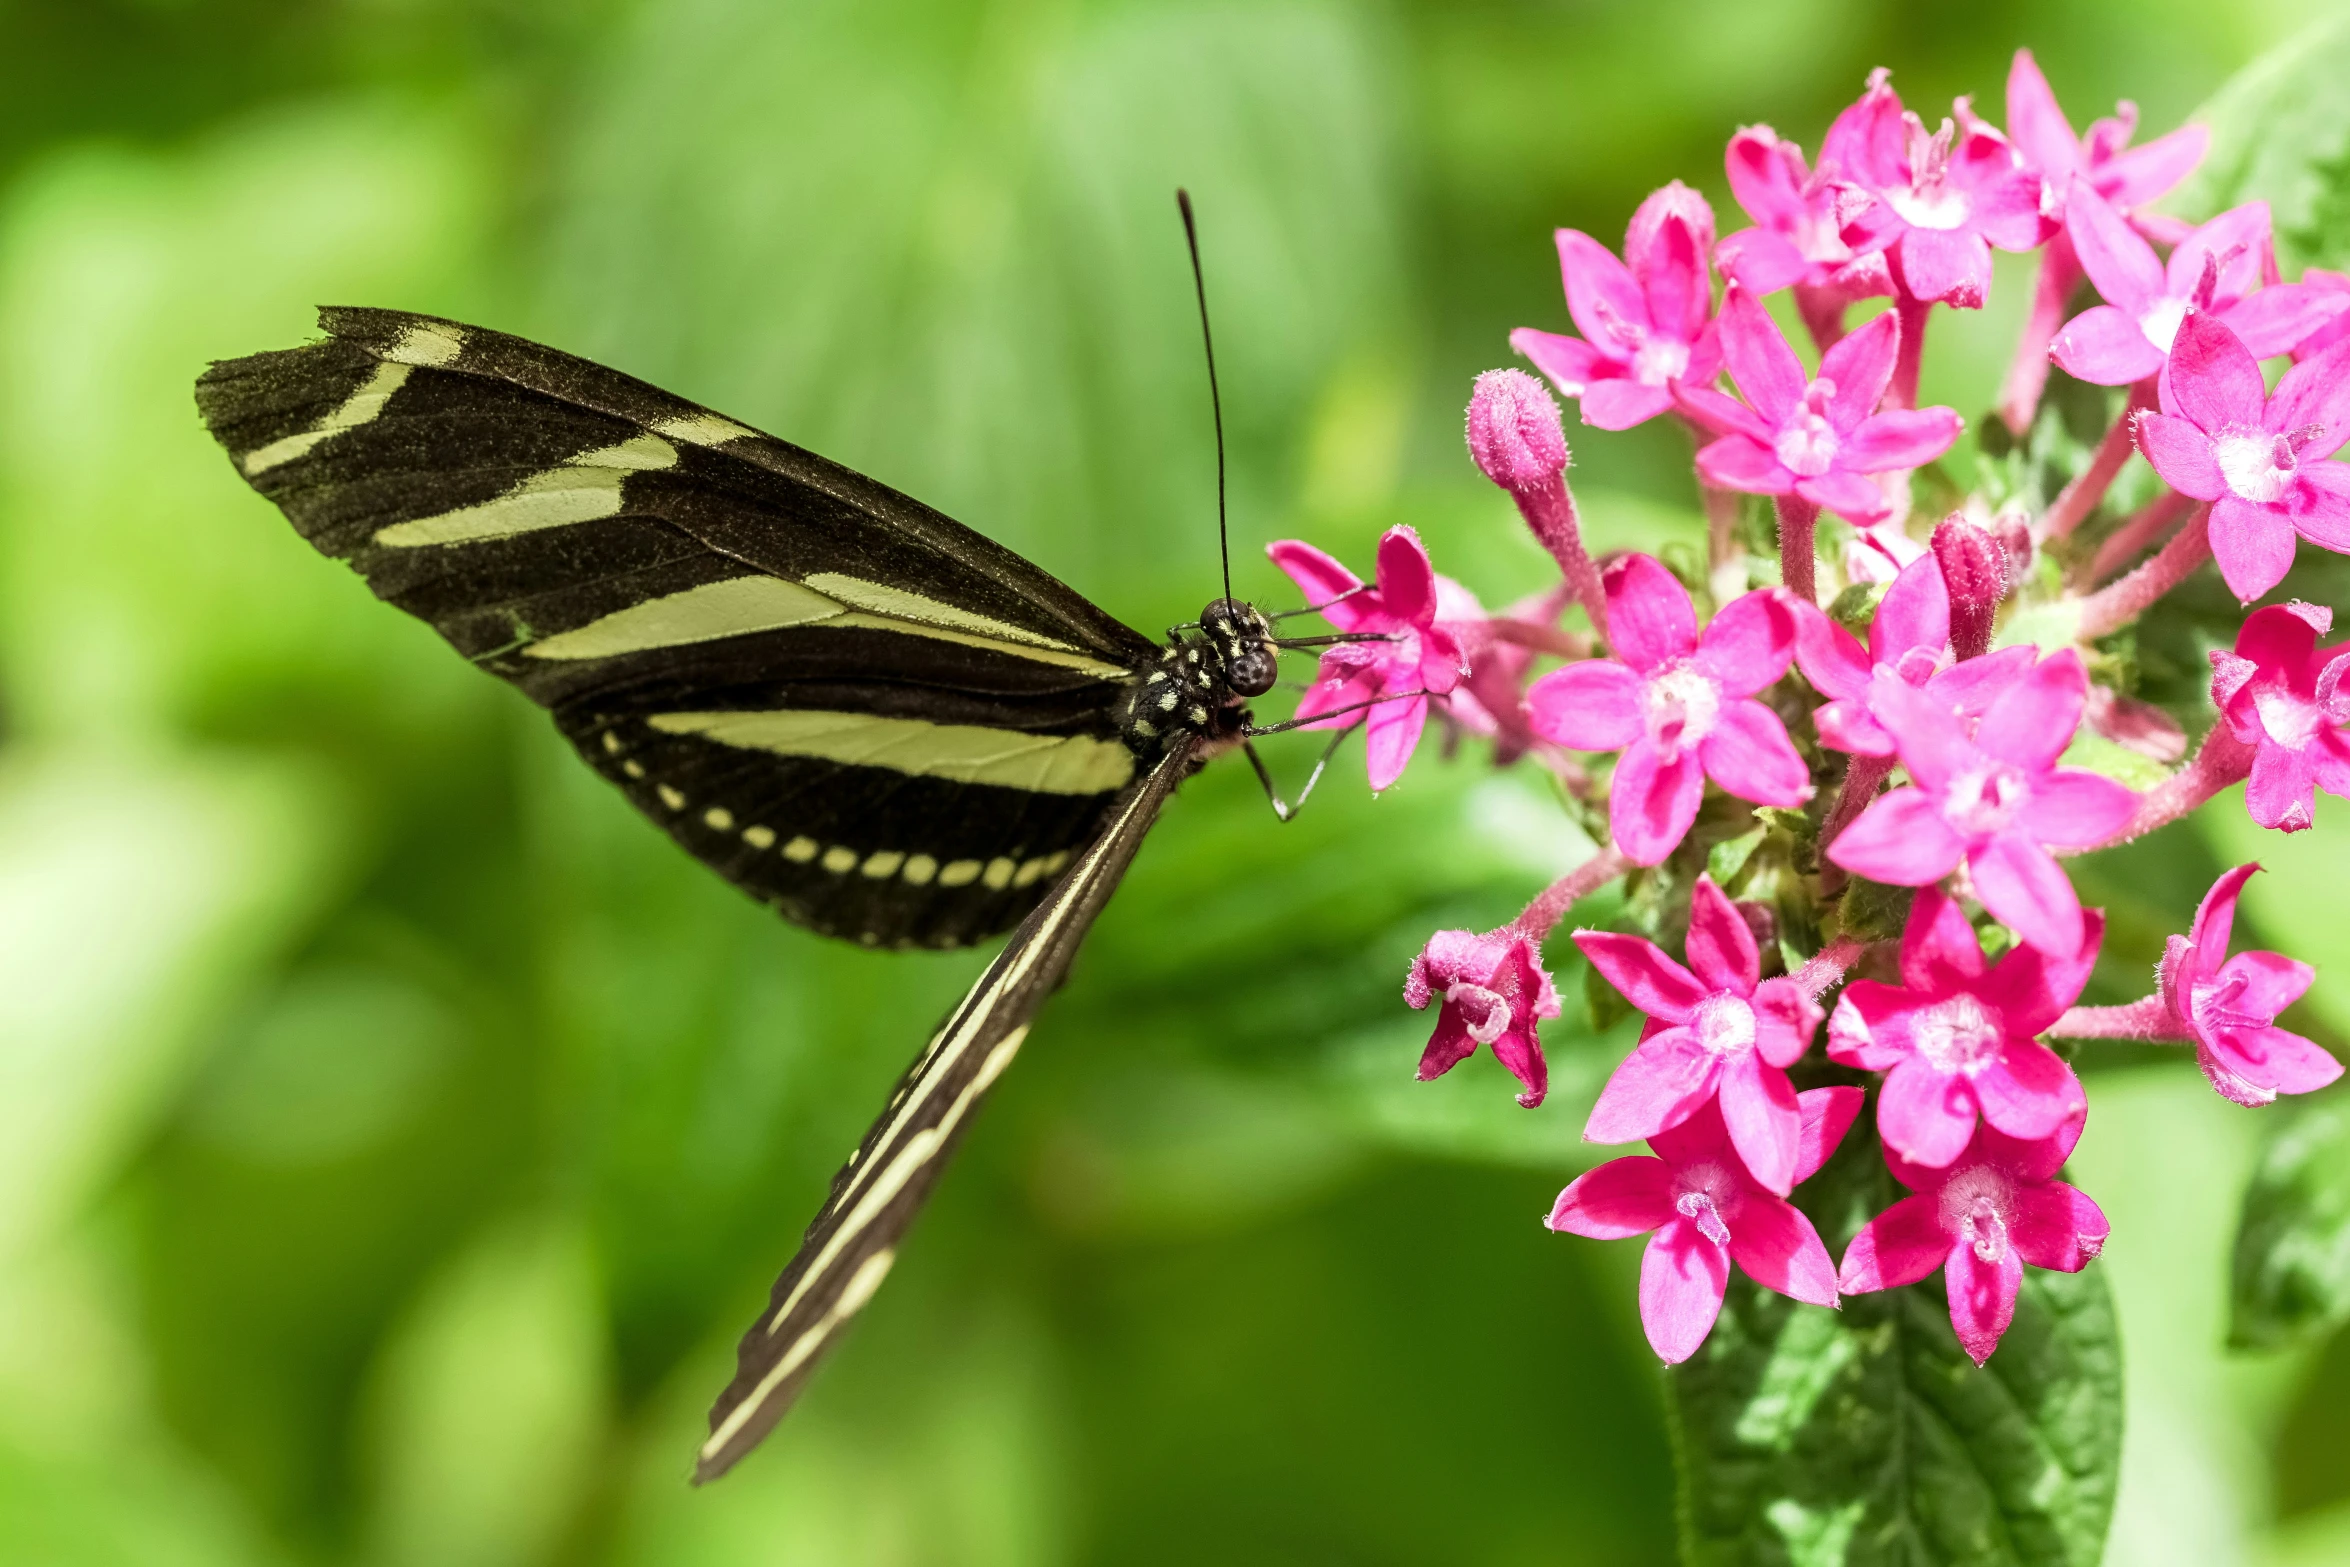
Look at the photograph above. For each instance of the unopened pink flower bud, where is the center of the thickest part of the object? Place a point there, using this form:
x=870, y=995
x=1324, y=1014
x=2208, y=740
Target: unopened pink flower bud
x=1974, y=568
x=1515, y=433
x=1518, y=442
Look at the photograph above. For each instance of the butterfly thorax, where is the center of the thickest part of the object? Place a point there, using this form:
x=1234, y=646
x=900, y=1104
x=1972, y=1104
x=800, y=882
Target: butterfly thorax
x=1200, y=682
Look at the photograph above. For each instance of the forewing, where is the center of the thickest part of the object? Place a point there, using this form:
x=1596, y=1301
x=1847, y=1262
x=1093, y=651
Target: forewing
x=850, y=1246
x=870, y=717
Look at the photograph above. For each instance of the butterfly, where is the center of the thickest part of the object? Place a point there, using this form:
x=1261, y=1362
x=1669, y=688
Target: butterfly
x=870, y=718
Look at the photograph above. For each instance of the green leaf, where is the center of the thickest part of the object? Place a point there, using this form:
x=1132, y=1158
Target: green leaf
x=2292, y=1265
x=1865, y=1435
x=2280, y=131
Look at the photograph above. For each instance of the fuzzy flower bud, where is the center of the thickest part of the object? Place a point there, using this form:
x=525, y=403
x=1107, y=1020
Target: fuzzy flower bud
x=1518, y=442
x=1515, y=433
x=1974, y=568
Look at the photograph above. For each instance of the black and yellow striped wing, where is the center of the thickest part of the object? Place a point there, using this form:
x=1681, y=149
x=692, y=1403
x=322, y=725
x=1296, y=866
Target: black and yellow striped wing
x=848, y=1250
x=857, y=710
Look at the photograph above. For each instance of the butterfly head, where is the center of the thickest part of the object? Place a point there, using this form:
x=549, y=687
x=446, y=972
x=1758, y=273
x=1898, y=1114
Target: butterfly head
x=1243, y=640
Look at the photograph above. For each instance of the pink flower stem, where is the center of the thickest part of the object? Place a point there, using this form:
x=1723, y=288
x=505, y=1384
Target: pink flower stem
x=1829, y=965
x=2027, y=373
x=1903, y=393
x=2149, y=1019
x=1721, y=525
x=1542, y=916
x=2222, y=760
x=1862, y=776
x=2079, y=498
x=1799, y=521
x=2110, y=608
x=2142, y=528
x=1550, y=512
x=1822, y=310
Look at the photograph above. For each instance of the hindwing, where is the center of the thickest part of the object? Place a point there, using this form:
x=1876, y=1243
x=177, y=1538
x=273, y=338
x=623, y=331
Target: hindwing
x=854, y=708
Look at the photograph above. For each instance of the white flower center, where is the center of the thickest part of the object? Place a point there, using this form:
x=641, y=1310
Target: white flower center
x=2257, y=465
x=1807, y=442
x=2291, y=720
x=1982, y=802
x=1959, y=1035
x=1938, y=205
x=1658, y=360
x=2161, y=322
x=1683, y=705
x=1725, y=1025
x=1977, y=1205
x=1706, y=1195
x=1486, y=1012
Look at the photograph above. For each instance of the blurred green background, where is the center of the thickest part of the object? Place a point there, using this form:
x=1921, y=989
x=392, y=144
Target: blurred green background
x=395, y=1133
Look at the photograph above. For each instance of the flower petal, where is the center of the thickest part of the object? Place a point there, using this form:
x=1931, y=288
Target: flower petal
x=2282, y=789
x=2133, y=178
x=2181, y=453
x=1318, y=576
x=1621, y=404
x=1643, y=974
x=1391, y=731
x=2269, y=982
x=1946, y=266
x=2240, y=239
x=2213, y=380
x=2118, y=261
x=2028, y=1092
x=1748, y=754
x=2072, y=809
x=1760, y=261
x=1652, y=802
x=1847, y=494
x=1749, y=643
x=1924, y=1115
x=1650, y=621
x=1764, y=368
x=1870, y=1027
x=1682, y=1278
x=1721, y=947
x=1900, y=840
x=2034, y=720
x=1407, y=583
x=2025, y=890
x=1939, y=949
x=1900, y=1246
x=1785, y=1019
x=1622, y=1197
x=1861, y=366
x=1739, y=462
x=1914, y=613
x=1827, y=1115
x=2280, y=318
x=2215, y=917
x=1780, y=1250
x=1590, y=705
x=2253, y=544
x=1982, y=1297
x=1660, y=1084
x=1570, y=363
x=1934, y=744
x=1766, y=1124
x=2031, y=986
x=2277, y=1059
x=2039, y=129
x=1972, y=686
x=1831, y=657
x=2319, y=504
x=1900, y=438
x=2105, y=347
x=2315, y=391
x=2057, y=1227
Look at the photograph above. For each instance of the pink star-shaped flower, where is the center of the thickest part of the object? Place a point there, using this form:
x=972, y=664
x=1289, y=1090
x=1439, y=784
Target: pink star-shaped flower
x=1909, y=639
x=1797, y=238
x=2217, y=270
x=2125, y=177
x=1707, y=1213
x=1492, y=991
x=1818, y=439
x=1644, y=319
x=2280, y=693
x=1935, y=202
x=1996, y=800
x=1722, y=1030
x=2258, y=458
x=1416, y=655
x=1980, y=1219
x=2228, y=1006
x=1956, y=1036
x=1680, y=706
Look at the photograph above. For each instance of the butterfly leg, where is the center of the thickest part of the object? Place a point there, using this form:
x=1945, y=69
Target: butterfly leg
x=1282, y=809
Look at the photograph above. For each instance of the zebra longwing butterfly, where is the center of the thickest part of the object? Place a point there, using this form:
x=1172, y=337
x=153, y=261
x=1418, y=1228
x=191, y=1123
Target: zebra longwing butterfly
x=867, y=716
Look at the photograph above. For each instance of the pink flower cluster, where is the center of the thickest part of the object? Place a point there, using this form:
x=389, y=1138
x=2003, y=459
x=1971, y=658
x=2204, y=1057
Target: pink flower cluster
x=1882, y=737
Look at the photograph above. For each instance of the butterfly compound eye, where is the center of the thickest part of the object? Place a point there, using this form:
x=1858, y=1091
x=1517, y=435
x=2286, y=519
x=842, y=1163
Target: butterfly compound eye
x=1243, y=639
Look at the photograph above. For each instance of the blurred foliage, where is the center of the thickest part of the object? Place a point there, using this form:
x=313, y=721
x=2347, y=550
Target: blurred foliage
x=398, y=1132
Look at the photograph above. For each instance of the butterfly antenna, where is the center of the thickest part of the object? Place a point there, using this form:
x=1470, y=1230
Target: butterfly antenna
x=1207, y=339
